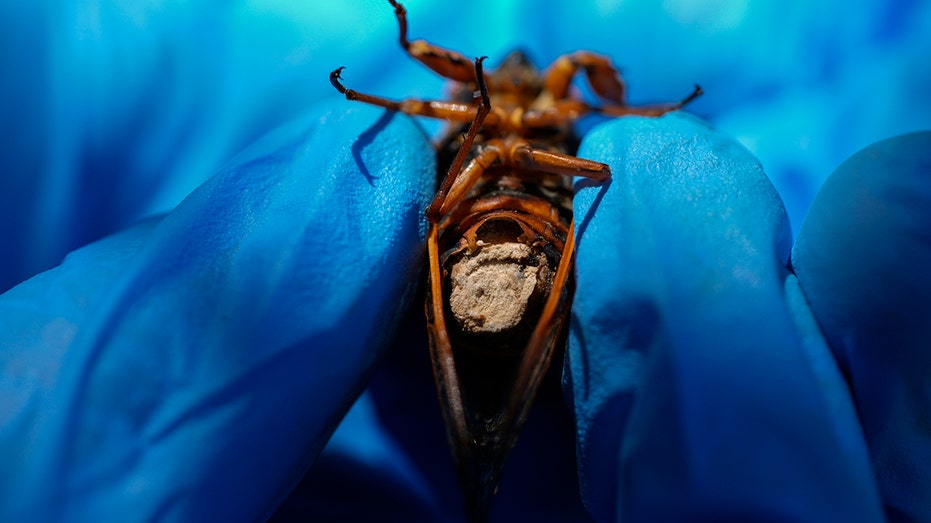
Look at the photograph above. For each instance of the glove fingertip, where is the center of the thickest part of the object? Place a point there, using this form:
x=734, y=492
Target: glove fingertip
x=861, y=259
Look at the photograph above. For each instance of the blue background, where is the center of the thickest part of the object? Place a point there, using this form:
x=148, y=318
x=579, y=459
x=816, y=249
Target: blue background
x=115, y=110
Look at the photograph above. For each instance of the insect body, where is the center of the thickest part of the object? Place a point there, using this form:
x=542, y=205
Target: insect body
x=500, y=242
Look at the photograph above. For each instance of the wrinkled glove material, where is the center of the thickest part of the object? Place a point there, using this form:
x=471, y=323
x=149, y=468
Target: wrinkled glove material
x=871, y=293
x=687, y=370
x=244, y=323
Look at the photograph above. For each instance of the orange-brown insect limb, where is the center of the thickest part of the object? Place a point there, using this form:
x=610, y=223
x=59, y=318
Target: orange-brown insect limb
x=448, y=64
x=695, y=94
x=650, y=110
x=434, y=212
x=601, y=74
x=465, y=180
x=450, y=111
x=557, y=163
x=401, y=14
x=515, y=152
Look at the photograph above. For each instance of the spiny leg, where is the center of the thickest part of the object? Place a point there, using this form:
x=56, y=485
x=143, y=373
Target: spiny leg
x=601, y=73
x=648, y=110
x=524, y=155
x=434, y=212
x=447, y=63
x=569, y=110
x=467, y=178
x=560, y=113
x=451, y=111
x=605, y=81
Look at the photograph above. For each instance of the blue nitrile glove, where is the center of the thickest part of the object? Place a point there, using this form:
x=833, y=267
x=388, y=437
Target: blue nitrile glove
x=703, y=388
x=701, y=385
x=863, y=260
x=190, y=368
x=114, y=110
x=177, y=371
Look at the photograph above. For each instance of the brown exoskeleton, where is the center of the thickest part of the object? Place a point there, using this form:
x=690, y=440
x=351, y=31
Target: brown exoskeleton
x=500, y=241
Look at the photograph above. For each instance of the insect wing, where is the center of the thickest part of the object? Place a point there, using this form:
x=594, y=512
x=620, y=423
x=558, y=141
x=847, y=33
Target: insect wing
x=480, y=442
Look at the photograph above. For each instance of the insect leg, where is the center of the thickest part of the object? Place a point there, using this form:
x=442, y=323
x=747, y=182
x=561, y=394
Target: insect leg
x=607, y=83
x=561, y=112
x=524, y=155
x=441, y=351
x=569, y=110
x=448, y=64
x=439, y=206
x=647, y=110
x=451, y=111
x=601, y=73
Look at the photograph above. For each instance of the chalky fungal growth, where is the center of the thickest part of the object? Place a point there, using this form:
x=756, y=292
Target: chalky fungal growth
x=491, y=288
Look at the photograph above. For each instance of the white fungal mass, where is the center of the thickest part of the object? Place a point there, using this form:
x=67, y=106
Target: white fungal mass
x=491, y=287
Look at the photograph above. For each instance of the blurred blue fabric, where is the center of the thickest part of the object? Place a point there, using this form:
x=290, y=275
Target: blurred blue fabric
x=116, y=111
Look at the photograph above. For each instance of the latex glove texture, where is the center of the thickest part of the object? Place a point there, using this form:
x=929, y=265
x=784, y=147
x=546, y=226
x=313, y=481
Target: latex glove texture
x=144, y=376
x=192, y=367
x=696, y=370
x=862, y=258
x=695, y=374
x=694, y=366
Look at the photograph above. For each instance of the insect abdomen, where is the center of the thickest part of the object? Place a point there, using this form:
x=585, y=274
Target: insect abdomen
x=501, y=260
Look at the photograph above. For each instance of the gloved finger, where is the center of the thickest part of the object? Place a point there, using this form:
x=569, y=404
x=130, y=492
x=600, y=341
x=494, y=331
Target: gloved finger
x=217, y=359
x=388, y=460
x=695, y=395
x=862, y=260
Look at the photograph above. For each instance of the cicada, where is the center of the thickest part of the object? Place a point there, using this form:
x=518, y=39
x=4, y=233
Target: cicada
x=501, y=239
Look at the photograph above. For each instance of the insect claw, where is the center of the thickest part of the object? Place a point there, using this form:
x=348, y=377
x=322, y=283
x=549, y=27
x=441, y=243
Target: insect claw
x=695, y=94
x=401, y=14
x=482, y=91
x=334, y=79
